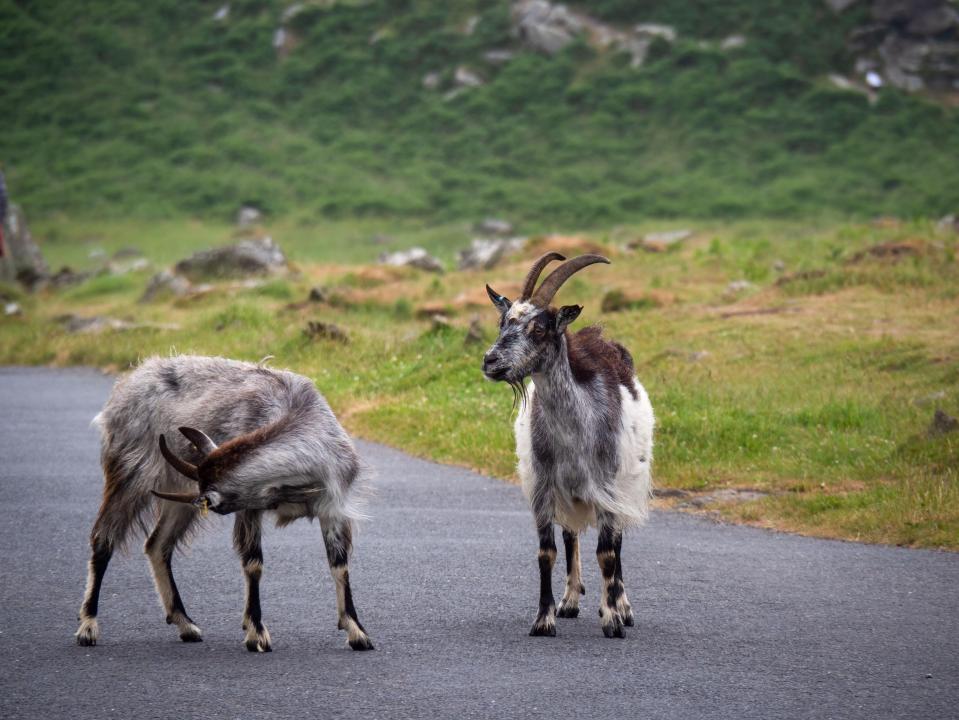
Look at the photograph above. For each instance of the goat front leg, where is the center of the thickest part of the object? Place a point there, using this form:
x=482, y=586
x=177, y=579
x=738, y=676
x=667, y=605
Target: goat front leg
x=545, y=624
x=247, y=539
x=612, y=593
x=338, y=538
x=569, y=606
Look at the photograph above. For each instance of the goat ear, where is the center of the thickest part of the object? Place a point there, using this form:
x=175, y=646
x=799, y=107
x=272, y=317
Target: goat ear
x=502, y=303
x=200, y=441
x=566, y=315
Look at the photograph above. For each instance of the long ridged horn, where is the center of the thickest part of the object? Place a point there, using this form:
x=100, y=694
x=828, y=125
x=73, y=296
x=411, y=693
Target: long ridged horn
x=177, y=497
x=182, y=466
x=200, y=441
x=553, y=281
x=529, y=284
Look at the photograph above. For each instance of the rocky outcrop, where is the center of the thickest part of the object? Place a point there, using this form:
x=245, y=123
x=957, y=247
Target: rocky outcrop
x=259, y=256
x=415, y=257
x=910, y=44
x=486, y=253
x=21, y=259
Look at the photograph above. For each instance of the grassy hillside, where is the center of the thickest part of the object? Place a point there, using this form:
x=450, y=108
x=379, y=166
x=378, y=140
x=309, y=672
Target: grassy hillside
x=121, y=108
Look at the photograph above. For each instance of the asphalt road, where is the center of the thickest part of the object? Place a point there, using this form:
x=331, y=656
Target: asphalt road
x=731, y=622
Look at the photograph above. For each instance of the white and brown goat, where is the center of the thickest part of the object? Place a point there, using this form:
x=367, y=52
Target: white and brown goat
x=584, y=437
x=269, y=443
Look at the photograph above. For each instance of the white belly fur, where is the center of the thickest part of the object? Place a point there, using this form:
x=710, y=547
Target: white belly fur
x=628, y=501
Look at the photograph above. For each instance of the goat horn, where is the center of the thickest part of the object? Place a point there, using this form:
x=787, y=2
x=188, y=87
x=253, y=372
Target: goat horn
x=200, y=441
x=183, y=467
x=534, y=272
x=177, y=497
x=553, y=281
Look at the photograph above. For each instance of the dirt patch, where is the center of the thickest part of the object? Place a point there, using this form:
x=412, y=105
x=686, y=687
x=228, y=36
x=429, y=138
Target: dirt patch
x=568, y=245
x=893, y=250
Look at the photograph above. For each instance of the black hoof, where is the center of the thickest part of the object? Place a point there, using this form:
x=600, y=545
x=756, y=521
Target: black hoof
x=543, y=628
x=254, y=646
x=614, y=629
x=628, y=619
x=567, y=612
x=84, y=641
x=362, y=644
x=191, y=635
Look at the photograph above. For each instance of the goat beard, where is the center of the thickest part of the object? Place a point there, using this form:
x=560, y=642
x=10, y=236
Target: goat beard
x=520, y=396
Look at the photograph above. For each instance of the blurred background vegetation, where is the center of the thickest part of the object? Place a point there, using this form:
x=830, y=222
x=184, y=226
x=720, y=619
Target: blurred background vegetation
x=127, y=109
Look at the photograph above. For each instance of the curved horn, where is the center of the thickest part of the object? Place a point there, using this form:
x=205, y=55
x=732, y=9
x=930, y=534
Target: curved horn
x=200, y=441
x=177, y=497
x=553, y=281
x=529, y=284
x=183, y=467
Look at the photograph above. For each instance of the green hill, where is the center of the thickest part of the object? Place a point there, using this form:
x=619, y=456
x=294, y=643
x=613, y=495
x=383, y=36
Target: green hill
x=161, y=109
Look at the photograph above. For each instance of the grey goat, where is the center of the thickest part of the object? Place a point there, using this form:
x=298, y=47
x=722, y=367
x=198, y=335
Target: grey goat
x=584, y=437
x=269, y=442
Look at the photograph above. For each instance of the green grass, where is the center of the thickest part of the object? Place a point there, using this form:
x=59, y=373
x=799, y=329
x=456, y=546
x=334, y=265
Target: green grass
x=823, y=403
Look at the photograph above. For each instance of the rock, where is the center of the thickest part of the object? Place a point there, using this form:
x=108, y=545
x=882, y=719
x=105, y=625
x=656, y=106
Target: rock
x=21, y=259
x=431, y=80
x=653, y=30
x=931, y=398
x=942, y=424
x=493, y=227
x=485, y=254
x=165, y=284
x=660, y=241
x=291, y=12
x=248, y=216
x=11, y=309
x=122, y=267
x=222, y=13
x=466, y=78
x=318, y=294
x=439, y=322
x=779, y=266
x=933, y=21
x=415, y=257
x=474, y=335
x=948, y=223
x=840, y=5
x=738, y=286
x=469, y=27
x=543, y=26
x=732, y=42
x=318, y=330
x=259, y=256
x=65, y=277
x=498, y=57
x=670, y=493
x=76, y=324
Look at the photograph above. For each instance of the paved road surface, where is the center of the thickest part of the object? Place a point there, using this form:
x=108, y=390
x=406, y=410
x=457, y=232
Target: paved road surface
x=731, y=622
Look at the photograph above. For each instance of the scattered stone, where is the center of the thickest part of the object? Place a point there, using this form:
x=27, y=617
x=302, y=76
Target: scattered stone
x=654, y=30
x=948, y=223
x=439, y=322
x=248, y=216
x=318, y=330
x=931, y=398
x=738, y=286
x=165, y=284
x=493, y=227
x=291, y=12
x=222, y=13
x=498, y=57
x=840, y=5
x=486, y=254
x=942, y=423
x=469, y=27
x=65, y=277
x=474, y=335
x=97, y=254
x=732, y=42
x=660, y=241
x=415, y=257
x=318, y=294
x=670, y=493
x=11, y=308
x=466, y=78
x=431, y=80
x=122, y=267
x=259, y=256
x=726, y=495
x=779, y=266
x=75, y=324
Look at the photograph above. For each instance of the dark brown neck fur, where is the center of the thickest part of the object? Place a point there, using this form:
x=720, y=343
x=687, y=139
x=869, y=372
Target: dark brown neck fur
x=590, y=355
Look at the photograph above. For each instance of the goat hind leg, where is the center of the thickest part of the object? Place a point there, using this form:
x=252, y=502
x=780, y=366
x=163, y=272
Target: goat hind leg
x=174, y=521
x=247, y=540
x=338, y=539
x=625, y=609
x=569, y=605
